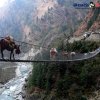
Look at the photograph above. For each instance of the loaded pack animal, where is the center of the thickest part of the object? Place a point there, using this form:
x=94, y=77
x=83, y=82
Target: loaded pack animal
x=53, y=53
x=65, y=53
x=73, y=53
x=8, y=44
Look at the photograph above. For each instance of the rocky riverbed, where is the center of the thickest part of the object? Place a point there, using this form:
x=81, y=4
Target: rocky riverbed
x=12, y=90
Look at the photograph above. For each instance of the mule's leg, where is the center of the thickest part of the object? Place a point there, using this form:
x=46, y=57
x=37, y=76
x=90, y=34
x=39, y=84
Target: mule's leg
x=13, y=56
x=2, y=54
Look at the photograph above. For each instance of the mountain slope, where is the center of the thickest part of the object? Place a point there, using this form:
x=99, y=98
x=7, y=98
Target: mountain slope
x=40, y=21
x=58, y=20
x=90, y=23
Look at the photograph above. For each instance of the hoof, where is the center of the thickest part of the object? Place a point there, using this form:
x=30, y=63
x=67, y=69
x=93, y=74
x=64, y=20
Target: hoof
x=3, y=59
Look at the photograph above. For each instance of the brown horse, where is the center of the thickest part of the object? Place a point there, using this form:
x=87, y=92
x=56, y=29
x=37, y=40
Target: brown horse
x=4, y=45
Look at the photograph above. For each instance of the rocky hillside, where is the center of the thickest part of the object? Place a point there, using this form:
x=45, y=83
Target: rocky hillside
x=42, y=21
x=58, y=20
x=90, y=23
x=37, y=21
x=43, y=7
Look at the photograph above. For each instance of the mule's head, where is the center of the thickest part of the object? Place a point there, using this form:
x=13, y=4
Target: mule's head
x=17, y=49
x=53, y=52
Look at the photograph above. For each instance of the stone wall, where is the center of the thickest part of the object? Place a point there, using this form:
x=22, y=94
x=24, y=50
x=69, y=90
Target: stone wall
x=7, y=72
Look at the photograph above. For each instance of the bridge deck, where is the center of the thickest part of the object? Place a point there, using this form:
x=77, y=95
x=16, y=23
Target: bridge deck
x=7, y=60
x=76, y=57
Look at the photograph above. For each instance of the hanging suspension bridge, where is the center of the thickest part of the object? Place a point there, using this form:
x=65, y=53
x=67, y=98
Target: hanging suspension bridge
x=59, y=57
x=45, y=55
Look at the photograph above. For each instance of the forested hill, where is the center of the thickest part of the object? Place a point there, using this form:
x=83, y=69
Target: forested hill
x=38, y=20
x=66, y=81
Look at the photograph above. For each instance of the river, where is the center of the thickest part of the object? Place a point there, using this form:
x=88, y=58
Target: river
x=13, y=89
